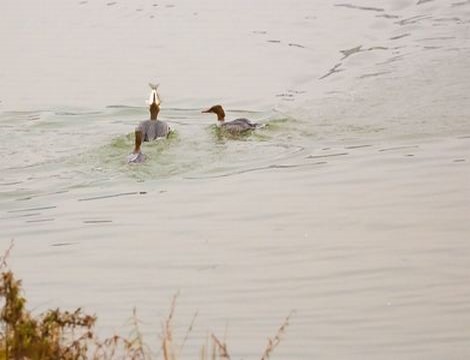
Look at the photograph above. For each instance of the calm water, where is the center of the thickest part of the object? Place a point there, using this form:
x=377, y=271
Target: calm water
x=351, y=207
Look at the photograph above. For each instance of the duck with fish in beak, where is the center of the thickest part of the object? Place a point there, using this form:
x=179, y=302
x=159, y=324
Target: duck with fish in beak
x=149, y=130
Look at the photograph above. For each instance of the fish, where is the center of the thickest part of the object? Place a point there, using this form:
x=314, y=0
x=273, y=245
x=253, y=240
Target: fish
x=154, y=96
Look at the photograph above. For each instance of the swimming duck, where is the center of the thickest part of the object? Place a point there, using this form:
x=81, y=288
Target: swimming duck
x=151, y=129
x=234, y=126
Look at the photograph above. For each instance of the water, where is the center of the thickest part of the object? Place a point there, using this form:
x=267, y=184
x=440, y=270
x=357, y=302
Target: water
x=350, y=207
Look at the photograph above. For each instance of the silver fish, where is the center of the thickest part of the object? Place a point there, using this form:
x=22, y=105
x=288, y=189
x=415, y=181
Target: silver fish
x=154, y=96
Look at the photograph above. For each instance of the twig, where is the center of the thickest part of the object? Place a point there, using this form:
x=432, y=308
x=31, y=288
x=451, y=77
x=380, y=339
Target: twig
x=6, y=254
x=223, y=353
x=138, y=334
x=273, y=343
x=167, y=332
x=190, y=328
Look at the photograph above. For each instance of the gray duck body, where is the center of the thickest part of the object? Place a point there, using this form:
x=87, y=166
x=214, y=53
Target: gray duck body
x=237, y=125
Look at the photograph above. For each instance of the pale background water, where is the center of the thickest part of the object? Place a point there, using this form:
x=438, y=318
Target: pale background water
x=351, y=207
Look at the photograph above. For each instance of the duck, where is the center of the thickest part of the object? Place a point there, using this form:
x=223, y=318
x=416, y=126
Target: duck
x=235, y=126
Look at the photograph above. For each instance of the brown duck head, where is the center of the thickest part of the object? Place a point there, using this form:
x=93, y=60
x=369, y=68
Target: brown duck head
x=218, y=110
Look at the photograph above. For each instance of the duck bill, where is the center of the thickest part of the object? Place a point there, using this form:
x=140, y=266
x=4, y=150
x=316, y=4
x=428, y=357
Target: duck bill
x=206, y=111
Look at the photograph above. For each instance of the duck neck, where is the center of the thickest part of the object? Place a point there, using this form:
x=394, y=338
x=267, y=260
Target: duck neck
x=220, y=117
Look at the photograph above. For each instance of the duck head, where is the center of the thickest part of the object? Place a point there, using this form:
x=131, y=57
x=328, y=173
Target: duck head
x=154, y=107
x=218, y=110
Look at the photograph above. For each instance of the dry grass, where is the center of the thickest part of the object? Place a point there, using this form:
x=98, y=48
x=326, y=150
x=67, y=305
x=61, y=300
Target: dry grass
x=3, y=259
x=274, y=342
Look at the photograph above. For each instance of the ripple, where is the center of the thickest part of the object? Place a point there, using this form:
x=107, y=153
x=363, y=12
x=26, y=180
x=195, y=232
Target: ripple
x=101, y=197
x=40, y=220
x=63, y=244
x=20, y=216
x=122, y=107
x=414, y=19
x=97, y=221
x=349, y=52
x=296, y=45
x=33, y=209
x=357, y=7
x=388, y=16
x=335, y=69
x=327, y=155
x=365, y=76
x=357, y=146
x=461, y=3
x=438, y=38
x=254, y=169
x=77, y=113
x=400, y=148
x=400, y=36
x=11, y=183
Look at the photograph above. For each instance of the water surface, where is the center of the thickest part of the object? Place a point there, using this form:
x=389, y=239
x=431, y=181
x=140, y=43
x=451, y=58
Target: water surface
x=350, y=207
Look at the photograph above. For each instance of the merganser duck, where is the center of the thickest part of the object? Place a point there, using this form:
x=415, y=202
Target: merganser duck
x=151, y=129
x=234, y=126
